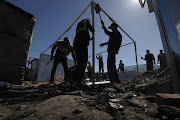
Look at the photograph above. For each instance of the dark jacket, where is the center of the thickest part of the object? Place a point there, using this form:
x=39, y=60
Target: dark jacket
x=115, y=39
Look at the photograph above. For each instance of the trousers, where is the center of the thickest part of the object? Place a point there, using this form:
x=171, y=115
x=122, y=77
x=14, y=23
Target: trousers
x=59, y=59
x=112, y=72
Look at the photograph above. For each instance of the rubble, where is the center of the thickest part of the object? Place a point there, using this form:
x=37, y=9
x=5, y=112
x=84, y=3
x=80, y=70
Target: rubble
x=77, y=111
x=130, y=100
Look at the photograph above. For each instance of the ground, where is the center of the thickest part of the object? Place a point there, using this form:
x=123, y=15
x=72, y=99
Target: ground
x=129, y=100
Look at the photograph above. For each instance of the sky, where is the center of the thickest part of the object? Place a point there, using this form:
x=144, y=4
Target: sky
x=54, y=17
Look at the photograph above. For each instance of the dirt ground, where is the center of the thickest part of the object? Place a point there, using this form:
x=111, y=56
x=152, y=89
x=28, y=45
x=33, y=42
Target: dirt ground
x=129, y=100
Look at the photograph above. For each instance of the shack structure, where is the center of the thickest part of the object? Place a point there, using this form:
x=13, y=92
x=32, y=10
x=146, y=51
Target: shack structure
x=16, y=29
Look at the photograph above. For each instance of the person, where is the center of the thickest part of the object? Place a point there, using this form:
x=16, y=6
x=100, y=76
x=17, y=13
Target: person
x=162, y=60
x=101, y=65
x=63, y=49
x=149, y=57
x=114, y=43
x=80, y=44
x=121, y=66
x=89, y=71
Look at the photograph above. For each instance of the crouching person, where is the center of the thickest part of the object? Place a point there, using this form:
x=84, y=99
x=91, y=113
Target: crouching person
x=63, y=49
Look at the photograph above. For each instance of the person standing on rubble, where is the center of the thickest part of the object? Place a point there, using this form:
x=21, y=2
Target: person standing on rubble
x=101, y=64
x=149, y=57
x=114, y=43
x=63, y=49
x=162, y=60
x=80, y=44
x=121, y=66
x=89, y=70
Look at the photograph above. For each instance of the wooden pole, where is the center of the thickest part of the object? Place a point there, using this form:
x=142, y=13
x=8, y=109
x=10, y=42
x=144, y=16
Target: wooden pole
x=136, y=57
x=69, y=27
x=106, y=50
x=93, y=43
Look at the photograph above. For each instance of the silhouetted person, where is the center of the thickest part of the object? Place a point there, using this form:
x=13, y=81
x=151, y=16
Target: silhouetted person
x=101, y=64
x=114, y=44
x=121, y=66
x=162, y=60
x=81, y=43
x=149, y=57
x=89, y=70
x=63, y=49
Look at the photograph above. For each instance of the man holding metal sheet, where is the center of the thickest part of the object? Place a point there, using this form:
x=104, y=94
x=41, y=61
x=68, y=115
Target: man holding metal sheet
x=63, y=49
x=114, y=43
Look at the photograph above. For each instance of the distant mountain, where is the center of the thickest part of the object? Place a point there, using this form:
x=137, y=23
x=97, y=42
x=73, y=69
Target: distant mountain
x=141, y=67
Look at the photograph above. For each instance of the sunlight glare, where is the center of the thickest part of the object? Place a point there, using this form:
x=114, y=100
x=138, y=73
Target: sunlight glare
x=135, y=1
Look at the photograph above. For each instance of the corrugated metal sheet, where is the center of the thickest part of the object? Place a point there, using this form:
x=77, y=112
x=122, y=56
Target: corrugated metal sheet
x=16, y=28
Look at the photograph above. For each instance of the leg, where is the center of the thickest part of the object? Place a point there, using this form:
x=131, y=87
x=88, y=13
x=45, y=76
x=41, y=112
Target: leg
x=112, y=71
x=56, y=62
x=99, y=69
x=109, y=68
x=64, y=64
x=82, y=58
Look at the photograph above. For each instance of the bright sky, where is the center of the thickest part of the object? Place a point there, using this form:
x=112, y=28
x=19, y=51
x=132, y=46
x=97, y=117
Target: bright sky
x=54, y=17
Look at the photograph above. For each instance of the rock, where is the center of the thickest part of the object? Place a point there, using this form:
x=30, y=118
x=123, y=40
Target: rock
x=21, y=107
x=114, y=100
x=129, y=95
x=151, y=99
x=110, y=90
x=77, y=111
x=116, y=106
x=151, y=110
x=112, y=95
x=169, y=111
x=168, y=99
x=20, y=115
x=137, y=103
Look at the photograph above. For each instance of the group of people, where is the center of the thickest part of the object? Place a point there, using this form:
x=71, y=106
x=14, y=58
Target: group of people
x=79, y=51
x=150, y=60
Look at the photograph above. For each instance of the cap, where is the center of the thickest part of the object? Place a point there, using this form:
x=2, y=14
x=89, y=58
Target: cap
x=113, y=24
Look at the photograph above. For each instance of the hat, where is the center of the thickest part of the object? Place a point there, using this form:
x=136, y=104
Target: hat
x=113, y=24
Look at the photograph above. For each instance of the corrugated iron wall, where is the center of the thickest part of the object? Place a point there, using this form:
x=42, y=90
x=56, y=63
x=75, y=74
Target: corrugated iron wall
x=16, y=28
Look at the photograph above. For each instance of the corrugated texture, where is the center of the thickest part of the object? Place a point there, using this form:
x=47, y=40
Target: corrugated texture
x=16, y=28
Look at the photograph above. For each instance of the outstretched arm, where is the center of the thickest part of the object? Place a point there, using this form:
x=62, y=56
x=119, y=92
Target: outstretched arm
x=103, y=44
x=143, y=58
x=105, y=29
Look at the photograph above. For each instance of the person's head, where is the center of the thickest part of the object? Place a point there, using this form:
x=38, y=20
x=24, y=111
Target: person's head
x=120, y=61
x=161, y=51
x=87, y=19
x=66, y=41
x=113, y=26
x=89, y=63
x=147, y=51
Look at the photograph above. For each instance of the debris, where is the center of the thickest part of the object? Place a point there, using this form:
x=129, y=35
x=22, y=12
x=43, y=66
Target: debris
x=116, y=106
x=169, y=111
x=168, y=99
x=129, y=95
x=137, y=103
x=114, y=100
x=21, y=107
x=20, y=115
x=110, y=90
x=77, y=111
